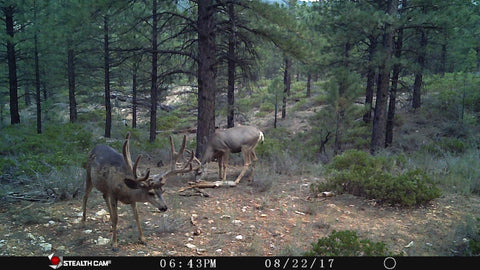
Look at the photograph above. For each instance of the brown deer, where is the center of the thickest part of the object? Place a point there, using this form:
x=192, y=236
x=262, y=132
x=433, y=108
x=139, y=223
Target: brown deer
x=113, y=174
x=233, y=140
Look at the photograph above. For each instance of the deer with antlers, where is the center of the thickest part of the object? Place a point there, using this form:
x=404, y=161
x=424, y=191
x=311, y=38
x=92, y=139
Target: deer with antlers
x=114, y=175
x=233, y=140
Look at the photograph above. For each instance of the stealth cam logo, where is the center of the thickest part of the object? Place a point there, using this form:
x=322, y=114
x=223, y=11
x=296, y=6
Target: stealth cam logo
x=56, y=262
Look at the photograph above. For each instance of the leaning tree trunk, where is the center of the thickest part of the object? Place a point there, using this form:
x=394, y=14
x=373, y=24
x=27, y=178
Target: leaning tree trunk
x=206, y=76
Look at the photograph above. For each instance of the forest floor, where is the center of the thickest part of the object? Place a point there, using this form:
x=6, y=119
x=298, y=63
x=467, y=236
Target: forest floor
x=250, y=219
x=266, y=216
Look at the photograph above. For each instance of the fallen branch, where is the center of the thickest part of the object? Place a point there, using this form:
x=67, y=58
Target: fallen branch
x=208, y=184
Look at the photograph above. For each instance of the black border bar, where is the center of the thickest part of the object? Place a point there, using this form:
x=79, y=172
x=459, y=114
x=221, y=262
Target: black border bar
x=268, y=263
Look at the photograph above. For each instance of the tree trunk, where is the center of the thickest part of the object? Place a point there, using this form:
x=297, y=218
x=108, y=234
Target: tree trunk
x=380, y=116
x=231, y=69
x=12, y=65
x=397, y=67
x=417, y=85
x=367, y=117
x=134, y=96
x=206, y=73
x=37, y=85
x=309, y=85
x=287, y=81
x=71, y=86
x=154, y=88
x=108, y=105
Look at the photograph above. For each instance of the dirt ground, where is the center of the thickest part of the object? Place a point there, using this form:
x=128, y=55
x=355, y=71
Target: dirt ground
x=251, y=219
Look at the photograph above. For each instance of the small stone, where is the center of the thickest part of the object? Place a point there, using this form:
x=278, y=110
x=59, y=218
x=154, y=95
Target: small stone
x=190, y=246
x=102, y=241
x=46, y=247
x=101, y=212
x=239, y=237
x=236, y=222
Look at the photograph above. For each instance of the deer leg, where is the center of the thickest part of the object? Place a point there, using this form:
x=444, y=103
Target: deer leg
x=226, y=156
x=112, y=209
x=114, y=218
x=220, y=166
x=135, y=214
x=246, y=163
x=254, y=156
x=88, y=188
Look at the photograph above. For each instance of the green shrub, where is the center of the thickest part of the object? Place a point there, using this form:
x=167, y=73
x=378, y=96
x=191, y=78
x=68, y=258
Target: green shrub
x=346, y=243
x=380, y=178
x=27, y=153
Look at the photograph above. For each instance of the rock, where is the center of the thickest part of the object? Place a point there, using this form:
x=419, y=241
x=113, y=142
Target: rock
x=30, y=236
x=46, y=247
x=239, y=237
x=101, y=212
x=190, y=246
x=87, y=231
x=409, y=244
x=236, y=222
x=225, y=217
x=102, y=241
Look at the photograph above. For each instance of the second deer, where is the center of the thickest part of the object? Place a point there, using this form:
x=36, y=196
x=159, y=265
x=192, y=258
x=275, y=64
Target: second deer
x=233, y=140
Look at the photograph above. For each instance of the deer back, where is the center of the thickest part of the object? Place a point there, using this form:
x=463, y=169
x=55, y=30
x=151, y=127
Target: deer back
x=107, y=168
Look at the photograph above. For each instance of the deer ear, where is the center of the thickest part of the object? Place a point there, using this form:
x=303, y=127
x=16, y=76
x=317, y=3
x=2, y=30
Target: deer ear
x=131, y=183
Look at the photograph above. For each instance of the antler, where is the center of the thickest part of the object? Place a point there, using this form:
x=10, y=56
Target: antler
x=126, y=152
x=128, y=158
x=176, y=156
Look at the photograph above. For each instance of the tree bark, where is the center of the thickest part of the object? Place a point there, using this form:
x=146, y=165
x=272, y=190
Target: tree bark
x=206, y=76
x=37, y=85
x=417, y=85
x=108, y=105
x=12, y=65
x=367, y=117
x=134, y=96
x=287, y=81
x=380, y=115
x=309, y=85
x=154, y=88
x=231, y=69
x=71, y=86
x=397, y=67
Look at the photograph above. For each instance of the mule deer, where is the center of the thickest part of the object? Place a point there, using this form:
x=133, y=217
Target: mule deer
x=233, y=140
x=114, y=175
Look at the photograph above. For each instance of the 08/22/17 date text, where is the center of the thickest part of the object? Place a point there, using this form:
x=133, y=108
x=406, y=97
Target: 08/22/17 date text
x=298, y=263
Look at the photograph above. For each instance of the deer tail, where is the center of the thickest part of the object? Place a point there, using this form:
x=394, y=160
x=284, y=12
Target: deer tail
x=261, y=137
